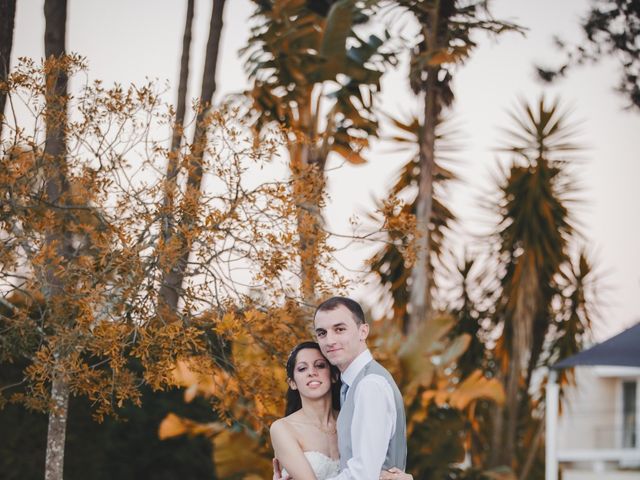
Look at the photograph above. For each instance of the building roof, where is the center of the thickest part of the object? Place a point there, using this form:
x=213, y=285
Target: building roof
x=623, y=350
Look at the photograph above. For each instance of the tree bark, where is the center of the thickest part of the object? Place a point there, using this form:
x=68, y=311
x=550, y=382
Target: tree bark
x=55, y=12
x=420, y=293
x=522, y=327
x=56, y=186
x=513, y=373
x=56, y=433
x=206, y=95
x=309, y=182
x=420, y=296
x=7, y=21
x=171, y=288
x=169, y=295
x=531, y=454
x=184, y=79
x=497, y=424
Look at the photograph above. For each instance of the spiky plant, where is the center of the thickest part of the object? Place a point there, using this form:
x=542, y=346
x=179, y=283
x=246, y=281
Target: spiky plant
x=534, y=238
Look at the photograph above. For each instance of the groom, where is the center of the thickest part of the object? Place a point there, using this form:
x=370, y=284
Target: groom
x=371, y=424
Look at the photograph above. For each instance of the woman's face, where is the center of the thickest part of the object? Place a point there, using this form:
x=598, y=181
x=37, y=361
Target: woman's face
x=311, y=374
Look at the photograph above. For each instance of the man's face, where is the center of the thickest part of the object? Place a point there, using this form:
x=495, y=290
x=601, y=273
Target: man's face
x=341, y=339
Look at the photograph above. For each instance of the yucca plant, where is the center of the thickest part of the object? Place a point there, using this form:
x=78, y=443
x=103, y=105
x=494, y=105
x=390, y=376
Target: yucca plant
x=535, y=234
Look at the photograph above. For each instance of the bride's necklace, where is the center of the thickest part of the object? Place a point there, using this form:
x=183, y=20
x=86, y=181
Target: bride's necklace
x=329, y=430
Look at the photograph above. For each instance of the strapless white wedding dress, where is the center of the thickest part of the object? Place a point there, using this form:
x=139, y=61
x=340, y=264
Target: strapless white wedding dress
x=323, y=467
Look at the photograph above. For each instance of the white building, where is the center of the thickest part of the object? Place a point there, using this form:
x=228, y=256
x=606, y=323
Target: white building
x=596, y=436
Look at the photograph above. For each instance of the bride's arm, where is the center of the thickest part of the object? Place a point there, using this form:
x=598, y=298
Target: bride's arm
x=288, y=452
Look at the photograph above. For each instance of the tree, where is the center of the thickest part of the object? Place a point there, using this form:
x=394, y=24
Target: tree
x=8, y=7
x=174, y=277
x=176, y=139
x=393, y=264
x=59, y=239
x=445, y=40
x=182, y=85
x=307, y=80
x=611, y=29
x=103, y=318
x=538, y=287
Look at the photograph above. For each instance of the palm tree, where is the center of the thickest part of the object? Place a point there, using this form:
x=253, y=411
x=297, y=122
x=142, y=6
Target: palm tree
x=170, y=296
x=446, y=28
x=8, y=9
x=171, y=285
x=535, y=231
x=391, y=264
x=305, y=79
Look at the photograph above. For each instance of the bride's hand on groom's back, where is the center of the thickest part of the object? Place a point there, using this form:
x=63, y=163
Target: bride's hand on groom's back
x=394, y=474
x=277, y=471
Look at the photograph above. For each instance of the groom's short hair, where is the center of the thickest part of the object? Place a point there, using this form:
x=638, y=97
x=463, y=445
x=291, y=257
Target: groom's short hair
x=351, y=305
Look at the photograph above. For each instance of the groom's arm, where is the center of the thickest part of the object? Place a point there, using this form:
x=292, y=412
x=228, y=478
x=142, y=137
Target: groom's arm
x=373, y=424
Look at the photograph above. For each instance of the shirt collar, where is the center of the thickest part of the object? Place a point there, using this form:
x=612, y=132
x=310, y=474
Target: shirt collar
x=358, y=363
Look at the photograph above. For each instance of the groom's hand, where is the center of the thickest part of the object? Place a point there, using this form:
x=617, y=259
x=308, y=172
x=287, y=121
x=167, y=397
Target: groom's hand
x=395, y=474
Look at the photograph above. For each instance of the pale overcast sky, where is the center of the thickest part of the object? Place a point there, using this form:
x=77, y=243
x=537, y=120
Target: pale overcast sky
x=130, y=40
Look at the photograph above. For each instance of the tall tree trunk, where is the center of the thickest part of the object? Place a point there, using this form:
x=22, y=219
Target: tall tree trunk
x=497, y=432
x=7, y=21
x=172, y=283
x=521, y=334
x=169, y=295
x=308, y=176
x=533, y=449
x=309, y=184
x=55, y=12
x=182, y=83
x=420, y=294
x=206, y=95
x=521, y=318
x=57, y=429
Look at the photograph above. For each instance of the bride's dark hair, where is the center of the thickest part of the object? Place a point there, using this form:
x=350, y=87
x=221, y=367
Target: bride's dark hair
x=294, y=403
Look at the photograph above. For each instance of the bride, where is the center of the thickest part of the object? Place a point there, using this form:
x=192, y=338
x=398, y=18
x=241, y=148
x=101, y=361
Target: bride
x=305, y=441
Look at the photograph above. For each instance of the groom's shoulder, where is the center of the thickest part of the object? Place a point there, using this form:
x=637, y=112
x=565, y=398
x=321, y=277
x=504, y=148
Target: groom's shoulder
x=374, y=367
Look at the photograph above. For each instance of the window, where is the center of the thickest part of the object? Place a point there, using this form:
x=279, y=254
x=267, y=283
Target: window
x=629, y=414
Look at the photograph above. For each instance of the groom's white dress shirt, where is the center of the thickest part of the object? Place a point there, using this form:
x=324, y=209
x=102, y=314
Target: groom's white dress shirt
x=373, y=425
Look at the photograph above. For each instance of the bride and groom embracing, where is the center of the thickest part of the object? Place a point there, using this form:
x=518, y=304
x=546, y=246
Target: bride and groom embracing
x=366, y=440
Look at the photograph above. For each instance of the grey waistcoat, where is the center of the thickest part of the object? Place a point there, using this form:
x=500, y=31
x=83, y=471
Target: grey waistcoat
x=397, y=450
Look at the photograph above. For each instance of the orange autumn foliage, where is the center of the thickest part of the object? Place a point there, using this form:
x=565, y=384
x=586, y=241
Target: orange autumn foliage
x=106, y=331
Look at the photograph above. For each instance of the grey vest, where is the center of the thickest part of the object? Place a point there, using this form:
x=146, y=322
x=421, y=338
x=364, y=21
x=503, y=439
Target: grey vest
x=397, y=449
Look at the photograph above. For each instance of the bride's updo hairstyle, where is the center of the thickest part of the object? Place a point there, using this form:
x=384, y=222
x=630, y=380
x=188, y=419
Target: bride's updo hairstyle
x=294, y=403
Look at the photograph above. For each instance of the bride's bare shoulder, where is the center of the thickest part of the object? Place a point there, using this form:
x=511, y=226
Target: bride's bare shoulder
x=288, y=426
x=283, y=424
